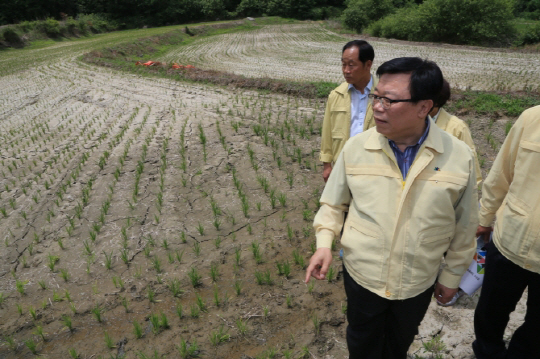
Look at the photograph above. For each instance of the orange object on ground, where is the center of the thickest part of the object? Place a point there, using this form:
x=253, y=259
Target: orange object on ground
x=149, y=63
x=176, y=66
x=190, y=67
x=138, y=63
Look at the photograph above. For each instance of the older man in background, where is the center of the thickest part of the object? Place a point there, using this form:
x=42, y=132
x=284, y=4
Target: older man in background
x=348, y=110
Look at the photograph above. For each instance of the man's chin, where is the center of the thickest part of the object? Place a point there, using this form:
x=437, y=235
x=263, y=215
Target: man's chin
x=381, y=126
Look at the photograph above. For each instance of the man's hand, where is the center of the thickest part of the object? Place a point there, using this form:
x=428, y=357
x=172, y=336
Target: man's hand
x=319, y=264
x=327, y=169
x=484, y=232
x=444, y=294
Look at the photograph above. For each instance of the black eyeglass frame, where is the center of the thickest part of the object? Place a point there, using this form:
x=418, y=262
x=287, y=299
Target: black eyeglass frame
x=389, y=101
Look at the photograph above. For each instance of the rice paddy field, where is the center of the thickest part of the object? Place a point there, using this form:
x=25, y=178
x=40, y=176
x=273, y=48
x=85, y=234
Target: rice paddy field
x=142, y=217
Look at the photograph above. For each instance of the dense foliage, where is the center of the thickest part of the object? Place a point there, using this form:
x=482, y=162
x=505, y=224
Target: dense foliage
x=135, y=13
x=473, y=22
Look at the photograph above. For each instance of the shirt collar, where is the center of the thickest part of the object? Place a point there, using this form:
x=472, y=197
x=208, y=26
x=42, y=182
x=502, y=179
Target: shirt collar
x=366, y=90
x=437, y=115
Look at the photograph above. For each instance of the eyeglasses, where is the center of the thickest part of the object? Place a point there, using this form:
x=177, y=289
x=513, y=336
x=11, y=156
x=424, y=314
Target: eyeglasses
x=385, y=101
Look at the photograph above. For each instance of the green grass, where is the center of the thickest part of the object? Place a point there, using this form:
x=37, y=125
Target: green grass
x=487, y=103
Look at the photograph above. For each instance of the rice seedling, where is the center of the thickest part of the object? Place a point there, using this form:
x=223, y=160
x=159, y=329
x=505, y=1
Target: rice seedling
x=57, y=297
x=330, y=275
x=238, y=256
x=137, y=330
x=108, y=260
x=109, y=342
x=282, y=198
x=200, y=229
x=66, y=320
x=284, y=268
x=11, y=343
x=73, y=353
x=219, y=336
x=237, y=287
x=138, y=272
x=186, y=350
x=64, y=274
x=195, y=311
x=194, y=277
x=174, y=287
x=298, y=259
x=163, y=321
x=179, y=311
x=151, y=295
x=32, y=345
x=156, y=263
x=179, y=256
x=196, y=248
x=97, y=311
x=20, y=286
x=32, y=312
x=200, y=302
x=214, y=272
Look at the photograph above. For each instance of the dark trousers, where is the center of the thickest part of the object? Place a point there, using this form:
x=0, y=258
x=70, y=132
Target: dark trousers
x=504, y=283
x=380, y=328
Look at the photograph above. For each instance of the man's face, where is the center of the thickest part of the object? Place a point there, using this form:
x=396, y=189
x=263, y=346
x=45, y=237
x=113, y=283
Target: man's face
x=402, y=120
x=354, y=71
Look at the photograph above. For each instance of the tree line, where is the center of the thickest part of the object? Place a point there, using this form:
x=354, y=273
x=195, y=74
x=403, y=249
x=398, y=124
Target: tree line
x=136, y=13
x=478, y=22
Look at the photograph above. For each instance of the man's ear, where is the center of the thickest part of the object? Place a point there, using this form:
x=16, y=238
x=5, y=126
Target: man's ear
x=425, y=108
x=368, y=64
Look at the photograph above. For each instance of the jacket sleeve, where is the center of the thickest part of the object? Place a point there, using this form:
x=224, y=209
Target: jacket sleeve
x=500, y=176
x=326, y=154
x=462, y=247
x=335, y=201
x=466, y=137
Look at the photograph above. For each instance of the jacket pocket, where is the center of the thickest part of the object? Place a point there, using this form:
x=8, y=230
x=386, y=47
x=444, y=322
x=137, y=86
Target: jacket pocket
x=512, y=226
x=363, y=245
x=430, y=248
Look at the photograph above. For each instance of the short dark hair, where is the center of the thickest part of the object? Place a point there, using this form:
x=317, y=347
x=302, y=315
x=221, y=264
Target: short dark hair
x=426, y=77
x=444, y=95
x=365, y=50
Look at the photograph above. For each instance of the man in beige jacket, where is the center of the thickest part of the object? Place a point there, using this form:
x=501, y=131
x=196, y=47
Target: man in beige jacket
x=348, y=110
x=410, y=191
x=512, y=193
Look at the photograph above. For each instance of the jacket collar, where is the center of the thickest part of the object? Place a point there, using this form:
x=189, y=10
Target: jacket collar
x=343, y=89
x=376, y=141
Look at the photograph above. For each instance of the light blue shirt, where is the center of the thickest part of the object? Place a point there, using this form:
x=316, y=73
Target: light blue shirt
x=359, y=104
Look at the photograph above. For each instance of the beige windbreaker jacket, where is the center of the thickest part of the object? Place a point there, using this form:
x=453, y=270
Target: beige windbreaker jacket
x=398, y=230
x=459, y=129
x=512, y=192
x=336, y=127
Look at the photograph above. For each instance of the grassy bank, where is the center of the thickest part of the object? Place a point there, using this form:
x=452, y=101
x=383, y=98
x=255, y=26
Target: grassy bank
x=124, y=56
